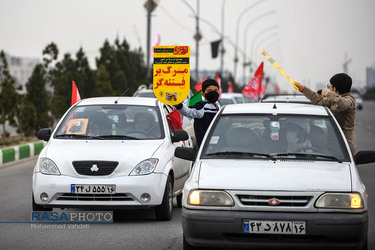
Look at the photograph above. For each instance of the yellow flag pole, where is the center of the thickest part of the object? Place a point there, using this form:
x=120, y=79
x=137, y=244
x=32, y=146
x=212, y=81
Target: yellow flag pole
x=278, y=67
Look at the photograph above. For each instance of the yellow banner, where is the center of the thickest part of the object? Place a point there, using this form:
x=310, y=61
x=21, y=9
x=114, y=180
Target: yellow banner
x=171, y=76
x=278, y=67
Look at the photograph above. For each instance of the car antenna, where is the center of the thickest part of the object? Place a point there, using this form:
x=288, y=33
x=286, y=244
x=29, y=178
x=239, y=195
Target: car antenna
x=122, y=95
x=274, y=104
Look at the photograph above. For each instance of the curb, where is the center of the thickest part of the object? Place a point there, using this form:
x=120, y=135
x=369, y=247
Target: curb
x=21, y=152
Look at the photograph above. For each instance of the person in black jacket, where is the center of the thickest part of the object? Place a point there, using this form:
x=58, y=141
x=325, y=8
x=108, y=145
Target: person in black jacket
x=204, y=111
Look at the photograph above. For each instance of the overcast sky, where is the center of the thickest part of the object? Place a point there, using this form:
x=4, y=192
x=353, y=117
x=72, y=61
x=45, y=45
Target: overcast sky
x=309, y=38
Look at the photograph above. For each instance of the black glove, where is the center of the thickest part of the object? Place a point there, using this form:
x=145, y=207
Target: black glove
x=179, y=106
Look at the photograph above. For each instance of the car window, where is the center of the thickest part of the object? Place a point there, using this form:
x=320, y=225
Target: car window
x=301, y=137
x=145, y=94
x=239, y=99
x=111, y=122
x=224, y=101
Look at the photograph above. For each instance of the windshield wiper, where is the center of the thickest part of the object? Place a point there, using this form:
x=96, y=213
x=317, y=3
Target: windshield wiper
x=241, y=154
x=79, y=136
x=119, y=137
x=310, y=155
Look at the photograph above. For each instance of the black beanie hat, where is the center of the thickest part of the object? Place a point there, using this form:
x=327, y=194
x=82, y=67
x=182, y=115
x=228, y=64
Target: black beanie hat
x=209, y=82
x=342, y=82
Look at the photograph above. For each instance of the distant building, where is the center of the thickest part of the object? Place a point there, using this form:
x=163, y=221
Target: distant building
x=21, y=68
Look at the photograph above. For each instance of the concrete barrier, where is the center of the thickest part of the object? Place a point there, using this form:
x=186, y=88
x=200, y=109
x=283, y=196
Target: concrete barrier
x=21, y=152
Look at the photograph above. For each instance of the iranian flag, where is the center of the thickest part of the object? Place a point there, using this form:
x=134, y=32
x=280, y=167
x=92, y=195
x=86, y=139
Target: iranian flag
x=253, y=88
x=75, y=93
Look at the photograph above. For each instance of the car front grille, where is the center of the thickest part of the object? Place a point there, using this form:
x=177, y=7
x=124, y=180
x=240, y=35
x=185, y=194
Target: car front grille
x=95, y=167
x=95, y=197
x=283, y=201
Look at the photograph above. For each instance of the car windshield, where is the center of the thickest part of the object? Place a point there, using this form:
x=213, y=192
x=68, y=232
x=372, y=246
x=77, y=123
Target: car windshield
x=275, y=137
x=111, y=122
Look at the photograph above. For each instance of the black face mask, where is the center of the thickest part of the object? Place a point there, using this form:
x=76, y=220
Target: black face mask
x=212, y=96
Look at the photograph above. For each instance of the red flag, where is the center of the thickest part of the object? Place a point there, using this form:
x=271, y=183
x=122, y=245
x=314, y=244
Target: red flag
x=253, y=88
x=176, y=119
x=198, y=86
x=230, y=87
x=218, y=80
x=75, y=93
x=263, y=90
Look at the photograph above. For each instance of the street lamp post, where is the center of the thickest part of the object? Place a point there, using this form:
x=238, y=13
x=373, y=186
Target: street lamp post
x=222, y=51
x=254, y=20
x=258, y=35
x=237, y=34
x=262, y=41
x=197, y=36
x=149, y=10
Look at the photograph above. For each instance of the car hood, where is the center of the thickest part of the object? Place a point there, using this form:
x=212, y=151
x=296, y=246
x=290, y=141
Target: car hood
x=127, y=153
x=280, y=175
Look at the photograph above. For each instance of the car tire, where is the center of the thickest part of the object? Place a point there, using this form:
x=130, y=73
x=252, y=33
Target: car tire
x=37, y=207
x=179, y=200
x=165, y=210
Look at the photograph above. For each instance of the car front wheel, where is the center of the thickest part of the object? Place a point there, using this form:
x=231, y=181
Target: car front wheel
x=165, y=210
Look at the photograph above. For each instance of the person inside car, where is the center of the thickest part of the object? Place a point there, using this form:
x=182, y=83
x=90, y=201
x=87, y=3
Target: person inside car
x=143, y=121
x=297, y=136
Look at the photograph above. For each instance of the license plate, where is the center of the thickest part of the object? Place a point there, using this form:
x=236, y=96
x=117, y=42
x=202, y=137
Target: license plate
x=274, y=227
x=93, y=189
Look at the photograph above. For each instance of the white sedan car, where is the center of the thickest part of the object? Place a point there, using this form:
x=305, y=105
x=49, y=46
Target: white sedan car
x=111, y=152
x=275, y=175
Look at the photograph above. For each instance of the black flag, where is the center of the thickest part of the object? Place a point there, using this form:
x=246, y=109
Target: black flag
x=215, y=48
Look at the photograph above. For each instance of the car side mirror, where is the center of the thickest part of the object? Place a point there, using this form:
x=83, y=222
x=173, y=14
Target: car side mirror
x=44, y=134
x=180, y=135
x=363, y=157
x=185, y=153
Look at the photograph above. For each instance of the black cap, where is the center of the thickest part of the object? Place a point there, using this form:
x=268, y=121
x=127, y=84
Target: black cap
x=342, y=82
x=209, y=82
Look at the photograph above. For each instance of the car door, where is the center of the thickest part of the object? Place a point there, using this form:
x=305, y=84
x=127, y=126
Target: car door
x=181, y=168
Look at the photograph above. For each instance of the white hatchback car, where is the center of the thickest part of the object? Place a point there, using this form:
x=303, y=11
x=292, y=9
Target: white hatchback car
x=277, y=177
x=111, y=152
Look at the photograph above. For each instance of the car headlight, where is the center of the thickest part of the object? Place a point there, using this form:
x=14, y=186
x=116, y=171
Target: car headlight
x=47, y=166
x=210, y=198
x=145, y=167
x=340, y=200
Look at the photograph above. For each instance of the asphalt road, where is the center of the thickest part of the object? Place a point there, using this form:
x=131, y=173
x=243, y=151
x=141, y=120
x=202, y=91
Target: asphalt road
x=135, y=229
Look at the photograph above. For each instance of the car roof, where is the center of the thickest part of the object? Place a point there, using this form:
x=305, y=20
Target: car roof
x=226, y=95
x=144, y=101
x=288, y=98
x=281, y=108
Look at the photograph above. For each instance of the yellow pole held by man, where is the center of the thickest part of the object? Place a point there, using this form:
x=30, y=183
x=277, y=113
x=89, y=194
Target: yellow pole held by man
x=278, y=67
